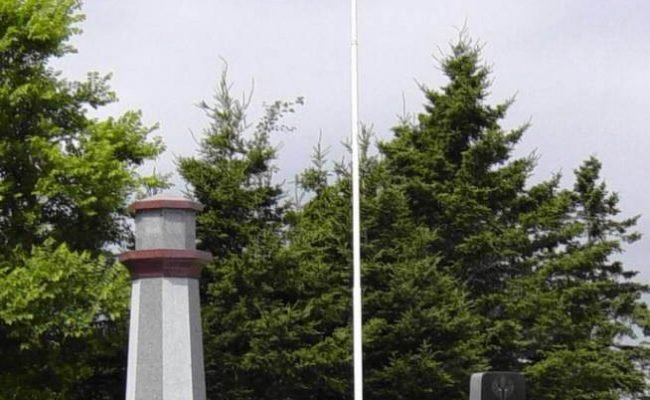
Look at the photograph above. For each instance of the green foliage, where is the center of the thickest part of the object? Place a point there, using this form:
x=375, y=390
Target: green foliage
x=579, y=307
x=65, y=180
x=420, y=336
x=454, y=166
x=466, y=266
x=538, y=262
x=276, y=300
x=255, y=330
x=62, y=173
x=61, y=323
x=232, y=176
x=585, y=373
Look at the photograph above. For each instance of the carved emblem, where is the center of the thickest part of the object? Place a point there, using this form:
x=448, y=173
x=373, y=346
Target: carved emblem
x=503, y=387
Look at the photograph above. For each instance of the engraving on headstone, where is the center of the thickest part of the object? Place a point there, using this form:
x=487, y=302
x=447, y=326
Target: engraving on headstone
x=503, y=387
x=497, y=385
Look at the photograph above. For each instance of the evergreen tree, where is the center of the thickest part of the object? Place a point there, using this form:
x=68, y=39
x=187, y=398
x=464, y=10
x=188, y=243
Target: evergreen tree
x=454, y=166
x=253, y=321
x=466, y=266
x=579, y=318
x=537, y=261
x=420, y=336
x=65, y=180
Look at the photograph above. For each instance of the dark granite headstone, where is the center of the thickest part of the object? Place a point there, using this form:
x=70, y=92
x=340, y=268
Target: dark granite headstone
x=497, y=386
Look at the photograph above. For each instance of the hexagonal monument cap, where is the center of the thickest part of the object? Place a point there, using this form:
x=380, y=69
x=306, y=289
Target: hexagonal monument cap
x=165, y=202
x=165, y=239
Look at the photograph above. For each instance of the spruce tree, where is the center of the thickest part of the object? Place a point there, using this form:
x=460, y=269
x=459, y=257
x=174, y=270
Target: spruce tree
x=255, y=321
x=579, y=312
x=420, y=336
x=538, y=261
x=466, y=265
x=455, y=168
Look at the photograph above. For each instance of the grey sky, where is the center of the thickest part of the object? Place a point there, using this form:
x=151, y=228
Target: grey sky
x=580, y=69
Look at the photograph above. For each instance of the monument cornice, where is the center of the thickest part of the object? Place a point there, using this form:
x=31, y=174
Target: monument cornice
x=156, y=263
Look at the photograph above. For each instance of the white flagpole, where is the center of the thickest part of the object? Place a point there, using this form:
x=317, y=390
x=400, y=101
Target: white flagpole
x=356, y=219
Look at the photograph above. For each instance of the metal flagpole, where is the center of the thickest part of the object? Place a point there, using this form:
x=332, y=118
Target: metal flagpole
x=356, y=219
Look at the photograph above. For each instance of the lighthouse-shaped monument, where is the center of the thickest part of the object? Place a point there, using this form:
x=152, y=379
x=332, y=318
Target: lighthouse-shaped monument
x=165, y=359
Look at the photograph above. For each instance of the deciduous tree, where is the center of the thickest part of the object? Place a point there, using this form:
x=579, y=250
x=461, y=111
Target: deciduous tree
x=65, y=181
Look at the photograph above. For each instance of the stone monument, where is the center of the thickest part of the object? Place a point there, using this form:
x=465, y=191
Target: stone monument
x=497, y=386
x=165, y=359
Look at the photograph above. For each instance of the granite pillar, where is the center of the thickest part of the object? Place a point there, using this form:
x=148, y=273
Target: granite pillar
x=165, y=360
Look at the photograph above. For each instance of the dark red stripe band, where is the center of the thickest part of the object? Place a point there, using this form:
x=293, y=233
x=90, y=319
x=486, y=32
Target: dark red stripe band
x=156, y=263
x=156, y=204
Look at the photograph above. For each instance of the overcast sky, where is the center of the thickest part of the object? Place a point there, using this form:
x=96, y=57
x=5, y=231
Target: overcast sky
x=580, y=70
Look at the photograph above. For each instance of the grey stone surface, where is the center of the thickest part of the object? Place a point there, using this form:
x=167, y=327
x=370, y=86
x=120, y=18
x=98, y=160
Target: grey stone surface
x=165, y=229
x=198, y=369
x=148, y=382
x=166, y=358
x=177, y=356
